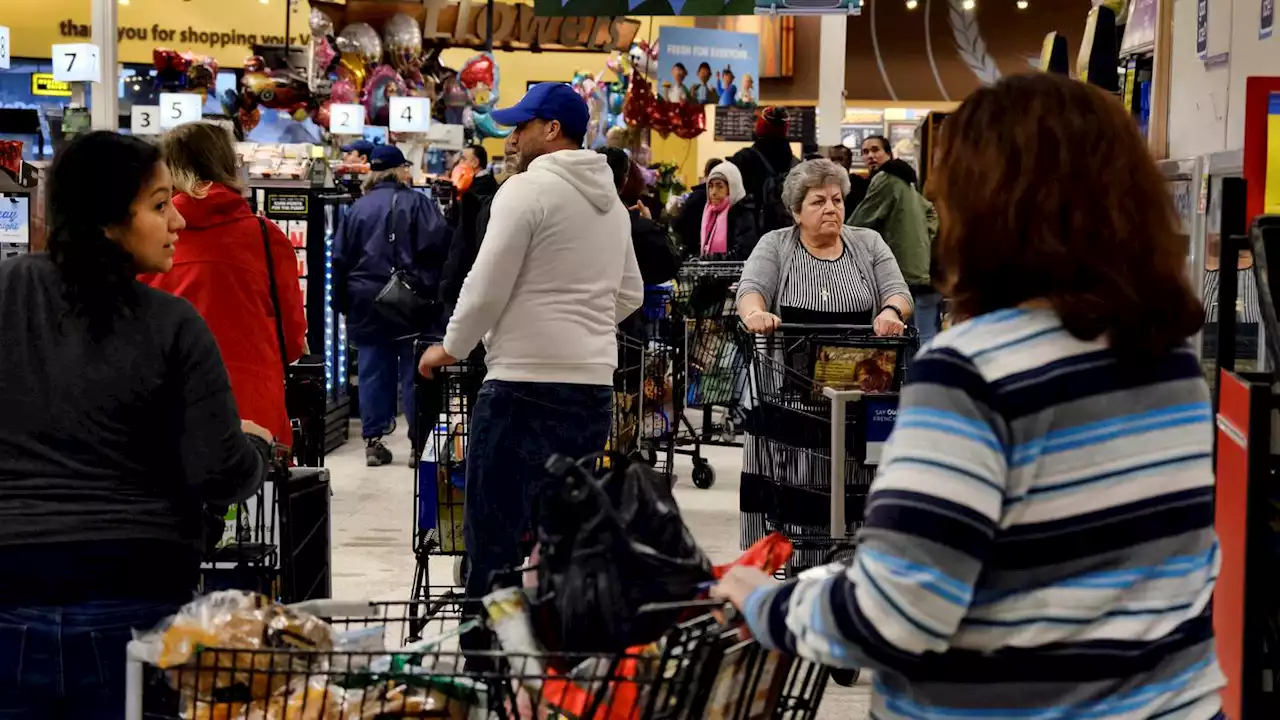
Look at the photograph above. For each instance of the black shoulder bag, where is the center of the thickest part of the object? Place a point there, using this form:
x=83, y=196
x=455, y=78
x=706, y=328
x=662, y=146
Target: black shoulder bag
x=398, y=301
x=275, y=296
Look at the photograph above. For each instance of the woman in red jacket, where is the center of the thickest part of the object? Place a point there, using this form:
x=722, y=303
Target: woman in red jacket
x=220, y=266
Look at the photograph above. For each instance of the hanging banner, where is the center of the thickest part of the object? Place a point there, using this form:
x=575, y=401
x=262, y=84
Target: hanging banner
x=709, y=67
x=1202, y=29
x=690, y=8
x=1268, y=19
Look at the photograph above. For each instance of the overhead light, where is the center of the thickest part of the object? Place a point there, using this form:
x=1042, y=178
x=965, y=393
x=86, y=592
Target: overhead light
x=969, y=5
x=913, y=4
x=124, y=2
x=1022, y=4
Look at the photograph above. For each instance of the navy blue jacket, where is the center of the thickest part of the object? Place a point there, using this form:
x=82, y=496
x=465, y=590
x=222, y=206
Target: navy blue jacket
x=364, y=258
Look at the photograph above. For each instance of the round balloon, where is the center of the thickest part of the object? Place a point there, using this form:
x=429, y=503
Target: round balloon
x=344, y=91
x=363, y=39
x=351, y=68
x=403, y=41
x=320, y=23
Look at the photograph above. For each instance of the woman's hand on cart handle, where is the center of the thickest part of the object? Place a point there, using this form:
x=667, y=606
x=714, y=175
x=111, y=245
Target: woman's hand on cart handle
x=250, y=427
x=761, y=322
x=738, y=584
x=434, y=357
x=889, y=322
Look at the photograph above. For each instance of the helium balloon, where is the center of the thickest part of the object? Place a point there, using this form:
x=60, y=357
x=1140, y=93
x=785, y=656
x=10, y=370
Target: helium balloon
x=344, y=91
x=403, y=41
x=361, y=38
x=320, y=23
x=486, y=127
x=479, y=77
x=352, y=68
x=383, y=84
x=324, y=53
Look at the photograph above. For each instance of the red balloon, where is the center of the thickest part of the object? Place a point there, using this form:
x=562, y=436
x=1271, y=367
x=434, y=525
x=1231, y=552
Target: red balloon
x=694, y=121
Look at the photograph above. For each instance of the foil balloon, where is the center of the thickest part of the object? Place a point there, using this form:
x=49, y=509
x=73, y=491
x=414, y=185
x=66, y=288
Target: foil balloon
x=320, y=23
x=455, y=96
x=343, y=91
x=383, y=84
x=276, y=89
x=693, y=121
x=361, y=38
x=249, y=118
x=323, y=53
x=352, y=68
x=322, y=114
x=644, y=59
x=403, y=40
x=479, y=77
x=483, y=125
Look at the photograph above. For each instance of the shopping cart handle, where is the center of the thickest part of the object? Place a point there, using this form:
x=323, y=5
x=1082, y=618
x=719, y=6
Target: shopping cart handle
x=819, y=327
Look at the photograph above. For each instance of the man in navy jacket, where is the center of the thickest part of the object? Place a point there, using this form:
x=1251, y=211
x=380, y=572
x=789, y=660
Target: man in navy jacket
x=364, y=258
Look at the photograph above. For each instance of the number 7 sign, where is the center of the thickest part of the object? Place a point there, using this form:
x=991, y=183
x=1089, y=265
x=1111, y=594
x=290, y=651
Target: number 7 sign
x=76, y=63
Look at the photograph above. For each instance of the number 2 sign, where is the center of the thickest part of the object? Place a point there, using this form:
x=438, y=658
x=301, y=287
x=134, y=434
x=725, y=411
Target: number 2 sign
x=178, y=108
x=76, y=63
x=346, y=119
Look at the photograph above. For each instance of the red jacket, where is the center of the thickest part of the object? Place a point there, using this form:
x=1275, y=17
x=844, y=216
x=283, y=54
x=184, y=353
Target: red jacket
x=219, y=266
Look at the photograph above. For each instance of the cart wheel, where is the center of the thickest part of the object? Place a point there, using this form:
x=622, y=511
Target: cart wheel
x=845, y=678
x=651, y=456
x=704, y=476
x=460, y=571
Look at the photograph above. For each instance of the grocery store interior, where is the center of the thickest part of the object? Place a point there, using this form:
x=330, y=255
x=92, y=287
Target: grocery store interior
x=324, y=102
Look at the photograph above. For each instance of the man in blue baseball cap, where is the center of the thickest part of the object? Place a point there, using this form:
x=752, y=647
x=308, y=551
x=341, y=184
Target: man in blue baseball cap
x=554, y=275
x=355, y=153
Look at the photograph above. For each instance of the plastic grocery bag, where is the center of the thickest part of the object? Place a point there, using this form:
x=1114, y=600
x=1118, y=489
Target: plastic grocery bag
x=607, y=547
x=769, y=554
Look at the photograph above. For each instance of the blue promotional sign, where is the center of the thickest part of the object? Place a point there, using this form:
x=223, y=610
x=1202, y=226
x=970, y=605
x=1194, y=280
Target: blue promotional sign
x=1268, y=19
x=709, y=67
x=880, y=414
x=1202, y=29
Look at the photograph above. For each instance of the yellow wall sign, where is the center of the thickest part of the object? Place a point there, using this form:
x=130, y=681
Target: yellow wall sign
x=44, y=84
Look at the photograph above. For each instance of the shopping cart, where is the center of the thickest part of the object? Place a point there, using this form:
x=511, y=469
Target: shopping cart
x=821, y=403
x=628, y=387
x=699, y=669
x=661, y=336
x=443, y=406
x=715, y=369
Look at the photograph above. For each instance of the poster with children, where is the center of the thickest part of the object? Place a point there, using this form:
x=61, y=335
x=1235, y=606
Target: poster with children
x=709, y=67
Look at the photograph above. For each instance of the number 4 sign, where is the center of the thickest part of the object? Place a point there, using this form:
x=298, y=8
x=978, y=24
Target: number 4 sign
x=410, y=114
x=178, y=108
x=76, y=63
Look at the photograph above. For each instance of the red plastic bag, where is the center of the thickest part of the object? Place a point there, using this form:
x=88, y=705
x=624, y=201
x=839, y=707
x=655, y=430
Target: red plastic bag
x=770, y=554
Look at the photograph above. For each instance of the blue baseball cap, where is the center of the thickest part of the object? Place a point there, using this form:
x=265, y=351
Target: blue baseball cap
x=386, y=157
x=364, y=147
x=548, y=101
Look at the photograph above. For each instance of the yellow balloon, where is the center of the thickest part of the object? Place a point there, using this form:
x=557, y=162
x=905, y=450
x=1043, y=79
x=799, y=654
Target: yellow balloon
x=351, y=66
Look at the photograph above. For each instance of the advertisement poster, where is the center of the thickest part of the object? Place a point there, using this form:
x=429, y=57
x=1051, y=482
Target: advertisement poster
x=1140, y=31
x=1202, y=29
x=15, y=220
x=711, y=67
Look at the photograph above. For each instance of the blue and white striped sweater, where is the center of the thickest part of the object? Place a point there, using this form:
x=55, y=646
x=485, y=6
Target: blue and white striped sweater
x=1038, y=543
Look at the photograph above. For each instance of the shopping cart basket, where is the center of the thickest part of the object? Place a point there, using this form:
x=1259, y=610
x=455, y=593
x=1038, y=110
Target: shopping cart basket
x=699, y=669
x=715, y=369
x=628, y=387
x=661, y=336
x=443, y=405
x=820, y=404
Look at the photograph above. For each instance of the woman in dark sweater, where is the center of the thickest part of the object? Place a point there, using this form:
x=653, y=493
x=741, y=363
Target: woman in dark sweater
x=118, y=427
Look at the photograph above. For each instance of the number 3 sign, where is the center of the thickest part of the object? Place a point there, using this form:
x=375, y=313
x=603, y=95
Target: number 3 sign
x=144, y=120
x=178, y=108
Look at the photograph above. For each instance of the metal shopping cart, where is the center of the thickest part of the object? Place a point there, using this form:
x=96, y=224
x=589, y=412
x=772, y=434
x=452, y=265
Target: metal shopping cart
x=714, y=366
x=820, y=404
x=661, y=337
x=699, y=669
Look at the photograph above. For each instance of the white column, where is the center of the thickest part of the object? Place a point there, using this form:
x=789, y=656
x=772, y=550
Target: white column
x=105, y=104
x=831, y=54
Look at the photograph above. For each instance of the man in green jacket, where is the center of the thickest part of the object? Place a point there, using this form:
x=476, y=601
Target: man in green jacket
x=895, y=209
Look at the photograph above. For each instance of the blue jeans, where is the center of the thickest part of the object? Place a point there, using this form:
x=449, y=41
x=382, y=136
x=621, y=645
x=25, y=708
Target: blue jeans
x=515, y=428
x=69, y=661
x=927, y=317
x=384, y=369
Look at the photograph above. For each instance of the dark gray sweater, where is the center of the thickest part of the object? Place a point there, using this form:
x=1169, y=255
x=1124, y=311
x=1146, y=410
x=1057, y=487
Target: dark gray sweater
x=109, y=448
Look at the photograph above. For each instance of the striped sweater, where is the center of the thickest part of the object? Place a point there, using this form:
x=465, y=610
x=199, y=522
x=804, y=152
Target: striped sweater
x=1039, y=540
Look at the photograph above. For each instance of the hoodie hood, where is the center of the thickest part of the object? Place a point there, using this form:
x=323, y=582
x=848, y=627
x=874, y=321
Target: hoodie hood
x=220, y=206
x=902, y=170
x=586, y=170
x=729, y=173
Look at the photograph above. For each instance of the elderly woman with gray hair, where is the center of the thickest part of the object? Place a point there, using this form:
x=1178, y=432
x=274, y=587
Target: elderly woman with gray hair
x=819, y=271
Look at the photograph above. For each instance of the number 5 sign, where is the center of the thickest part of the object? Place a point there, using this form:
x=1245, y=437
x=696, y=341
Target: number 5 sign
x=178, y=108
x=410, y=114
x=76, y=63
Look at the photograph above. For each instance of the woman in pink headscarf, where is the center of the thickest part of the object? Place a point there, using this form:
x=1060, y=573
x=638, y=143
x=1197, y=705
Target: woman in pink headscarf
x=728, y=231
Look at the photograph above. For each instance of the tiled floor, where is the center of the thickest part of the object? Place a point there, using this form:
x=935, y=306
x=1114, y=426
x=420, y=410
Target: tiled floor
x=373, y=514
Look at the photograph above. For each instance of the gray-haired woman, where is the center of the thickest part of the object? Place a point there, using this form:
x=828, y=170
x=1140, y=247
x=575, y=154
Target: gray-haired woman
x=820, y=271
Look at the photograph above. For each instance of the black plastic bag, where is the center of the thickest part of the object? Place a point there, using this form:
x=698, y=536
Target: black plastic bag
x=608, y=547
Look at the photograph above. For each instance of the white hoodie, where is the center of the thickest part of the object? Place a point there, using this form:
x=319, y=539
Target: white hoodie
x=555, y=274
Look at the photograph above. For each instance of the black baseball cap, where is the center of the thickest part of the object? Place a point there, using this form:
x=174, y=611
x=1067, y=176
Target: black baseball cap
x=364, y=147
x=548, y=101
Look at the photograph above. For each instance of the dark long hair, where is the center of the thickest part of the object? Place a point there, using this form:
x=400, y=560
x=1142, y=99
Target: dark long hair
x=92, y=185
x=1046, y=190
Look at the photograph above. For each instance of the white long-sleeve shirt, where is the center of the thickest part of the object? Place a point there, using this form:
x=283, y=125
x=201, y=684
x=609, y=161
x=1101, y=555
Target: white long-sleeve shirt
x=554, y=276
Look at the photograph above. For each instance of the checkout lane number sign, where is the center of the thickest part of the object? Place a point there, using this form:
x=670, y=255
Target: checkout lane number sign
x=77, y=62
x=345, y=119
x=4, y=48
x=144, y=120
x=179, y=109
x=410, y=114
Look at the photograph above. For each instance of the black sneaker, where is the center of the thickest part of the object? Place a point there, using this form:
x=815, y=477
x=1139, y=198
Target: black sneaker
x=376, y=454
